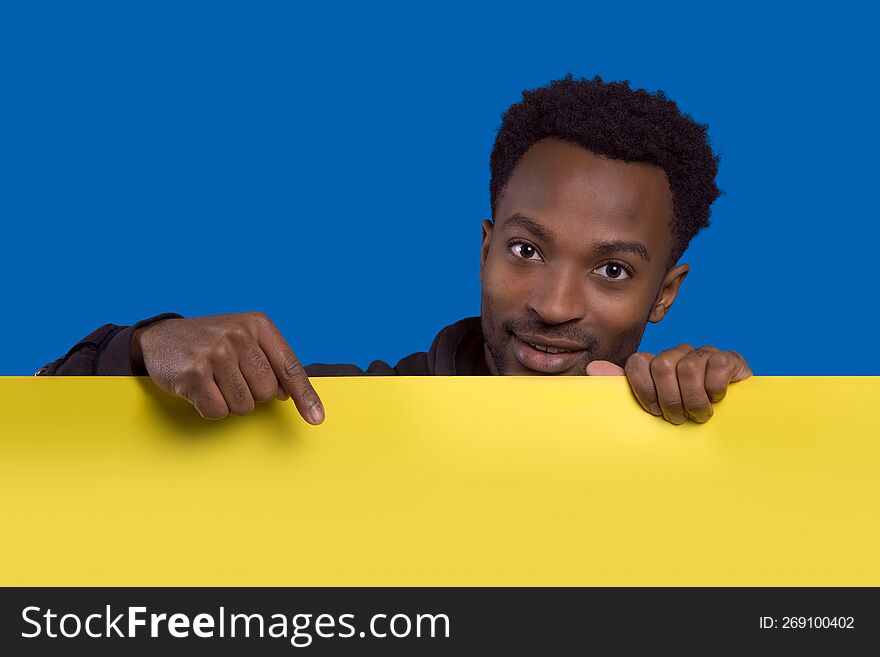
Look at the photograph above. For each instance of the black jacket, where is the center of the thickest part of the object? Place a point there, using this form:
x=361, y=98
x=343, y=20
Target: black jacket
x=456, y=351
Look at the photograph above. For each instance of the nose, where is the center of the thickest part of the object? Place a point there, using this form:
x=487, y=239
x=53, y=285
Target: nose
x=560, y=297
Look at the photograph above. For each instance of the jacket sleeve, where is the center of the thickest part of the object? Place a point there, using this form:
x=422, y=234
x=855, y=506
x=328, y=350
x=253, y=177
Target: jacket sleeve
x=103, y=352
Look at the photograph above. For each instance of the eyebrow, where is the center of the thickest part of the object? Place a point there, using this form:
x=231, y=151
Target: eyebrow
x=530, y=225
x=616, y=246
x=605, y=247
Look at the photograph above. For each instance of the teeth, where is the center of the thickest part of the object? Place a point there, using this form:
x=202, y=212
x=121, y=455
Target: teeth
x=549, y=350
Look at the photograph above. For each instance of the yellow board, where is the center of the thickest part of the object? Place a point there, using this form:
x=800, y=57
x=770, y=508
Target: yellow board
x=441, y=482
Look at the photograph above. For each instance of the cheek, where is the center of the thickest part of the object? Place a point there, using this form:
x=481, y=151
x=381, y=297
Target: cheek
x=621, y=308
x=616, y=313
x=619, y=322
x=507, y=292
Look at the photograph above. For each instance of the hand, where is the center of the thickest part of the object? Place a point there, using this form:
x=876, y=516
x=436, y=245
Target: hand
x=681, y=382
x=224, y=363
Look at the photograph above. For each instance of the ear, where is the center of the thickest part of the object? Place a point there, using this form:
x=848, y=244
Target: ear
x=487, y=241
x=668, y=292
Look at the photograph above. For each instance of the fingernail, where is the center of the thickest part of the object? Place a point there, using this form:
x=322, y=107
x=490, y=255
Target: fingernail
x=655, y=409
x=316, y=413
x=674, y=418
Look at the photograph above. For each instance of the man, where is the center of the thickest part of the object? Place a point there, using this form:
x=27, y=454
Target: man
x=596, y=190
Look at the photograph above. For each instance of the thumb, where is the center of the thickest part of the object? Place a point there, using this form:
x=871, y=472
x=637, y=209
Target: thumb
x=604, y=368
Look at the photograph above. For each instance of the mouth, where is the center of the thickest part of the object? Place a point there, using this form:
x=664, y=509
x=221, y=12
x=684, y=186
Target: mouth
x=546, y=356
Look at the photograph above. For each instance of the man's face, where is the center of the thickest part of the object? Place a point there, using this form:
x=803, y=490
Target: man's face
x=575, y=263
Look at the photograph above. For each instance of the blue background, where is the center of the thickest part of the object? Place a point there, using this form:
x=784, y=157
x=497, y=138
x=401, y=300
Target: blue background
x=329, y=166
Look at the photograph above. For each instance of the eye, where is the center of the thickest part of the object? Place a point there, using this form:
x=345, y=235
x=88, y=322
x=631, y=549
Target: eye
x=525, y=251
x=615, y=271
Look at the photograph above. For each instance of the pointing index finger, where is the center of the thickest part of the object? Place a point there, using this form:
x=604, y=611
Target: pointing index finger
x=289, y=371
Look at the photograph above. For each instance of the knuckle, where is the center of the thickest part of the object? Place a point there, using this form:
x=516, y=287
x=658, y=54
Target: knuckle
x=291, y=367
x=662, y=367
x=259, y=318
x=192, y=391
x=209, y=407
x=695, y=404
x=309, y=397
x=258, y=362
x=222, y=351
x=689, y=366
x=238, y=391
x=638, y=361
x=673, y=406
x=194, y=372
x=264, y=394
x=202, y=370
x=237, y=333
x=723, y=360
x=180, y=389
x=264, y=388
x=741, y=364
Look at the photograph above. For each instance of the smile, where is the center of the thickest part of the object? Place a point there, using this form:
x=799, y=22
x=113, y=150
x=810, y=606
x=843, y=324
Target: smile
x=548, y=349
x=538, y=356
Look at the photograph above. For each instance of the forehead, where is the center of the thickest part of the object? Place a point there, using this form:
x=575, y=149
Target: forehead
x=574, y=192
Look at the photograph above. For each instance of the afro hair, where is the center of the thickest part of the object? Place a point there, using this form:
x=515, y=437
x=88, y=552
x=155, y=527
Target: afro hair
x=615, y=121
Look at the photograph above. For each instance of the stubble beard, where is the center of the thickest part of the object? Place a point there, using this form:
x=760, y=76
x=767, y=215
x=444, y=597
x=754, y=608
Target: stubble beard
x=497, y=336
